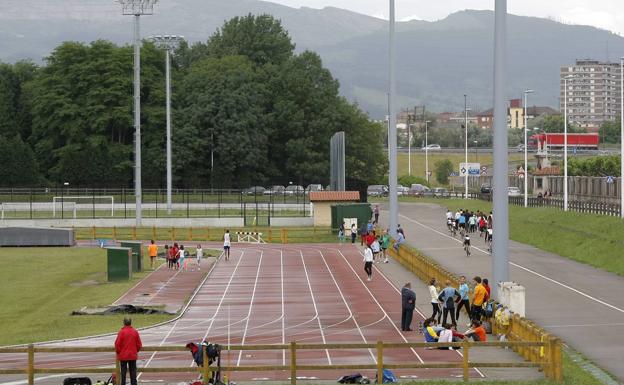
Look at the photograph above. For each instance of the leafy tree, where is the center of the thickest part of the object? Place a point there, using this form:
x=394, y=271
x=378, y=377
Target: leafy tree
x=610, y=131
x=19, y=167
x=555, y=123
x=408, y=180
x=14, y=108
x=442, y=170
x=595, y=166
x=260, y=38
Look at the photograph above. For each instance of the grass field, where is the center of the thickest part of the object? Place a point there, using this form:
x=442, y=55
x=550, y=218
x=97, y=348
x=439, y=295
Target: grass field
x=418, y=161
x=596, y=240
x=42, y=286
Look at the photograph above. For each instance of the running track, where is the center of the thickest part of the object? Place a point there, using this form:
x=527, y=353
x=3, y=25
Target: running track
x=273, y=294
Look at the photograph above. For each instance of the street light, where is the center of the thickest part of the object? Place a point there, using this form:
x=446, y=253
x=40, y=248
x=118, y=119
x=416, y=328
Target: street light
x=565, y=141
x=466, y=147
x=622, y=137
x=476, y=142
x=427, y=149
x=526, y=93
x=409, y=144
x=137, y=8
x=393, y=203
x=169, y=43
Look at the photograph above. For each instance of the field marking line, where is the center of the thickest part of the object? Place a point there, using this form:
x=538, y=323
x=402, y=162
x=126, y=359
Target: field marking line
x=379, y=305
x=251, y=302
x=283, y=317
x=137, y=284
x=305, y=269
x=370, y=351
x=524, y=268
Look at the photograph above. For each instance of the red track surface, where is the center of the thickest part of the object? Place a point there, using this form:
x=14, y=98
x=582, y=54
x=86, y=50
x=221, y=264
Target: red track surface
x=273, y=294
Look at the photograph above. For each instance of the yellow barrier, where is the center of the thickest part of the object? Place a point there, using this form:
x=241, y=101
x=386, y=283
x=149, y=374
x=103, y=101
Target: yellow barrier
x=543, y=345
x=551, y=360
x=286, y=235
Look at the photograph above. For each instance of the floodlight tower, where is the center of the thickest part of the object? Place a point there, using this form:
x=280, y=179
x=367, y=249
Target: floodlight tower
x=169, y=43
x=137, y=8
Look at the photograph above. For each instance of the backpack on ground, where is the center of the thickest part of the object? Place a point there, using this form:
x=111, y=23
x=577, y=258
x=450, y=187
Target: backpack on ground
x=488, y=308
x=77, y=381
x=351, y=379
x=388, y=377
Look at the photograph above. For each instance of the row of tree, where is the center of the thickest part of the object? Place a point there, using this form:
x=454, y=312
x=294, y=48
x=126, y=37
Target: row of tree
x=246, y=110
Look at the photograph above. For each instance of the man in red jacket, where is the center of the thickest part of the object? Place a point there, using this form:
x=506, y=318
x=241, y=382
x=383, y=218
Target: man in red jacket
x=127, y=346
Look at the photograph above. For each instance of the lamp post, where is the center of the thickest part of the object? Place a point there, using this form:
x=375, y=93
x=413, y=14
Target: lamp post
x=392, y=137
x=169, y=43
x=526, y=173
x=65, y=184
x=622, y=137
x=137, y=8
x=409, y=144
x=565, y=141
x=427, y=149
x=476, y=142
x=466, y=147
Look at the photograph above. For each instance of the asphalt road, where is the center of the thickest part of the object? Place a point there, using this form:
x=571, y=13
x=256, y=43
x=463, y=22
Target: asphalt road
x=581, y=304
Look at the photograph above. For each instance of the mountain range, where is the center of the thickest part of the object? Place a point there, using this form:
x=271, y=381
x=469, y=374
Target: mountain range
x=437, y=62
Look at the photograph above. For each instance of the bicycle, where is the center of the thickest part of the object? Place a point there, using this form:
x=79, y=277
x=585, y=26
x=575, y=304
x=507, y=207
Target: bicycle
x=467, y=245
x=462, y=232
x=451, y=229
x=489, y=243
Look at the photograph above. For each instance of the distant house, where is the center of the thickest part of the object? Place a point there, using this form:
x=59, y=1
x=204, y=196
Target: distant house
x=515, y=115
x=485, y=119
x=323, y=200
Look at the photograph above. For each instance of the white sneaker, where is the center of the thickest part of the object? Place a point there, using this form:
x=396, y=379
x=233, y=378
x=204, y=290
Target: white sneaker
x=368, y=279
x=386, y=260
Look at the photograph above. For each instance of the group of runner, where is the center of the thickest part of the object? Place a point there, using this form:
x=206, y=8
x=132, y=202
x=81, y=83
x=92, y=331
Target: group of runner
x=467, y=222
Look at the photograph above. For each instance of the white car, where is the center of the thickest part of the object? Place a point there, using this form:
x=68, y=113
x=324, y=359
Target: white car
x=513, y=192
x=432, y=147
x=402, y=190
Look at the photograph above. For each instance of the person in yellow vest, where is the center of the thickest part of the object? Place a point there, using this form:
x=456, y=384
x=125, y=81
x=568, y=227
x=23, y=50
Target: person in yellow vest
x=152, y=251
x=502, y=317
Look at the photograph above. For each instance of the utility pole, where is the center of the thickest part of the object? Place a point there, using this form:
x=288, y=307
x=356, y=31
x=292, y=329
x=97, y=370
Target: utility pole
x=169, y=43
x=137, y=8
x=393, y=219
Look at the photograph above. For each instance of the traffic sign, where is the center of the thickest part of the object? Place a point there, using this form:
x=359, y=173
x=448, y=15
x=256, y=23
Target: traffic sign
x=483, y=169
x=610, y=179
x=469, y=169
x=454, y=173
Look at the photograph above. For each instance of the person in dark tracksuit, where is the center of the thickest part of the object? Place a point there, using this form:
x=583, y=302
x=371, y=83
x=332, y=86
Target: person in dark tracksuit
x=408, y=303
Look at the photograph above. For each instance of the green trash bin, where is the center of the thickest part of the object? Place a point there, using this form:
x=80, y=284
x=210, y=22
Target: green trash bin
x=137, y=254
x=361, y=212
x=119, y=262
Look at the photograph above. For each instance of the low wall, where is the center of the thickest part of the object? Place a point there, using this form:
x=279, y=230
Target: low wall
x=129, y=222
x=292, y=221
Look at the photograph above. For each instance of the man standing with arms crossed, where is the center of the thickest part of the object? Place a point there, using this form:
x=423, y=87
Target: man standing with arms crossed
x=463, y=301
x=127, y=346
x=408, y=302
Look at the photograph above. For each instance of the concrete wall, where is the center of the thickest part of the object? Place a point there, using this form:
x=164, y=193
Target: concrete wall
x=129, y=222
x=292, y=221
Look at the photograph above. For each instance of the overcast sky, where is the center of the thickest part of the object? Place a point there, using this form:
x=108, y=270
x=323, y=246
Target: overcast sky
x=606, y=14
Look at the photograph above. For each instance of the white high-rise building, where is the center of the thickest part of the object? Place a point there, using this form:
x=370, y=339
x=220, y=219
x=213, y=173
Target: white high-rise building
x=593, y=92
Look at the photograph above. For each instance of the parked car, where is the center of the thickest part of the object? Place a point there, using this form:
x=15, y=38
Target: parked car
x=254, y=190
x=402, y=190
x=275, y=190
x=486, y=188
x=377, y=190
x=418, y=189
x=432, y=147
x=294, y=190
x=513, y=192
x=314, y=187
x=440, y=192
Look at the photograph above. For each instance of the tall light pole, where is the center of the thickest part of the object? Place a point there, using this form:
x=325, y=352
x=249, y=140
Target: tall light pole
x=622, y=137
x=466, y=147
x=427, y=149
x=526, y=170
x=137, y=8
x=500, y=246
x=169, y=43
x=476, y=143
x=565, y=141
x=409, y=144
x=392, y=139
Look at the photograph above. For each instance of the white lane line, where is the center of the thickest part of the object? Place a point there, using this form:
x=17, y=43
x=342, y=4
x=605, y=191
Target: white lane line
x=283, y=310
x=419, y=312
x=380, y=307
x=162, y=342
x=316, y=313
x=137, y=284
x=525, y=269
x=251, y=303
x=163, y=286
x=370, y=351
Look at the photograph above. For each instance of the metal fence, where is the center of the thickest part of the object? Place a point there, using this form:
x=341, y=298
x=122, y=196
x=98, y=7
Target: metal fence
x=61, y=203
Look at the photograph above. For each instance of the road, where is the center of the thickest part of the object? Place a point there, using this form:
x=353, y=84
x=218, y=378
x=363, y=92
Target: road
x=581, y=304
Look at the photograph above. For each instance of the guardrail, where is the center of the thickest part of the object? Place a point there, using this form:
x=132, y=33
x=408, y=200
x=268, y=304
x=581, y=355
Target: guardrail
x=520, y=329
x=271, y=235
x=549, y=362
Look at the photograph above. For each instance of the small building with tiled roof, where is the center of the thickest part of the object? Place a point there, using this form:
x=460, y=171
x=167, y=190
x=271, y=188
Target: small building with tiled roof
x=322, y=202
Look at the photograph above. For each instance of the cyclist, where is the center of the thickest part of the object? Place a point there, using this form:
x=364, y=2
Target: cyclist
x=488, y=239
x=467, y=244
x=462, y=223
x=450, y=223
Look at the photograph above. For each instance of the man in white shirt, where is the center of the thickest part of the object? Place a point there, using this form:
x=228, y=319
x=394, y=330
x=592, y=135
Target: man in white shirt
x=368, y=262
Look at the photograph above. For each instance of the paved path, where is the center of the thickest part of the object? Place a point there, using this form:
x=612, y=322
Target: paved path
x=581, y=304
